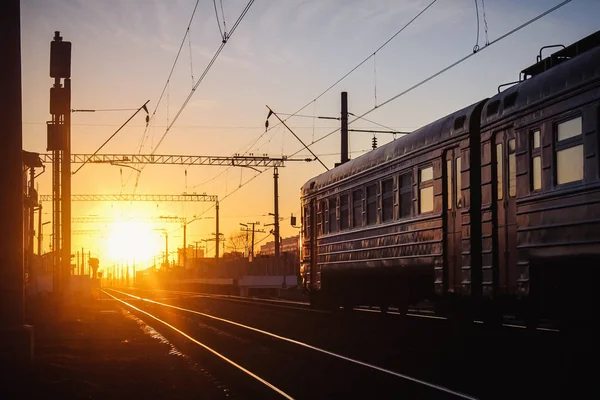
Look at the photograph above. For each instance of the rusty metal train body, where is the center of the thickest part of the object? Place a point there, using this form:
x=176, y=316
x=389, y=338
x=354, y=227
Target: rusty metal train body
x=493, y=209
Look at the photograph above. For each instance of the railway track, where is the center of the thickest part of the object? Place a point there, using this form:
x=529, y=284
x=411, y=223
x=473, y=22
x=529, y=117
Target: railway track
x=305, y=306
x=286, y=366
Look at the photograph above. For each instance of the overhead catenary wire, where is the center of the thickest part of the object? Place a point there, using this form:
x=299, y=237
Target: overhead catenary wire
x=201, y=78
x=224, y=25
x=529, y=22
x=509, y=33
x=461, y=60
x=476, y=47
x=365, y=60
x=249, y=147
x=485, y=25
x=218, y=22
x=198, y=82
x=187, y=32
x=143, y=107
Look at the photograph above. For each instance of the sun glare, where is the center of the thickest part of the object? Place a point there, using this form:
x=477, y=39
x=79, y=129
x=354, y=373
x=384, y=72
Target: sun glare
x=132, y=241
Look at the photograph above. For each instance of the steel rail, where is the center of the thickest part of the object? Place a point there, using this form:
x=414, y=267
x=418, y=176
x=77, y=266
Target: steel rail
x=221, y=356
x=308, y=346
x=305, y=306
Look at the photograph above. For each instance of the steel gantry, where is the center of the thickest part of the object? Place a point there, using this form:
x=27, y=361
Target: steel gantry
x=247, y=161
x=212, y=198
x=121, y=159
x=203, y=197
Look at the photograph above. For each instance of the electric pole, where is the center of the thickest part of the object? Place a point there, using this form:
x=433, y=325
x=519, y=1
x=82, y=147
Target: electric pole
x=344, y=128
x=217, y=234
x=196, y=258
x=184, y=242
x=276, y=206
x=253, y=230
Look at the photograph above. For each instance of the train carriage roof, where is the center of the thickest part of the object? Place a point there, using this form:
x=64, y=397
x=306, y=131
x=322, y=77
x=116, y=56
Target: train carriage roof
x=562, y=71
x=438, y=131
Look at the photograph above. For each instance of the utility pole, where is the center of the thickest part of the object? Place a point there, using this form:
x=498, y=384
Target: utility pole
x=217, y=234
x=276, y=206
x=184, y=242
x=196, y=257
x=16, y=339
x=167, y=249
x=40, y=235
x=246, y=229
x=344, y=128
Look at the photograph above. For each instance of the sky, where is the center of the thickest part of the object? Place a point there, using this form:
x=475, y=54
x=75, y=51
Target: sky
x=284, y=55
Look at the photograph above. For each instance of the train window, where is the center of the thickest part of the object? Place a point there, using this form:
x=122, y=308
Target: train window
x=371, y=204
x=536, y=160
x=458, y=184
x=426, y=174
x=344, y=212
x=405, y=195
x=512, y=169
x=569, y=151
x=499, y=166
x=387, y=200
x=536, y=182
x=536, y=142
x=321, y=218
x=357, y=208
x=449, y=182
x=332, y=215
x=426, y=199
x=569, y=129
x=426, y=190
x=306, y=222
x=569, y=165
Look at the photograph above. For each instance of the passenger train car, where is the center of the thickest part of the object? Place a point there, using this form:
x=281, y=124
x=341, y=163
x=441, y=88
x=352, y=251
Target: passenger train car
x=493, y=209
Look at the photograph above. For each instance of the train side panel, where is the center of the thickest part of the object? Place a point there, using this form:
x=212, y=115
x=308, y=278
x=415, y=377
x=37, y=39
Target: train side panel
x=540, y=199
x=399, y=230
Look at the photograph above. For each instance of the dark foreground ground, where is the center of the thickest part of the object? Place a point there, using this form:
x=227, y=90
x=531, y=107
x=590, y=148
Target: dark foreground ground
x=96, y=350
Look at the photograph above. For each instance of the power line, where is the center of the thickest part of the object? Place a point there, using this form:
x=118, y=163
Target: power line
x=476, y=47
x=410, y=89
x=195, y=86
x=363, y=61
x=208, y=67
x=143, y=107
x=103, y=109
x=218, y=22
x=187, y=31
x=344, y=77
x=406, y=91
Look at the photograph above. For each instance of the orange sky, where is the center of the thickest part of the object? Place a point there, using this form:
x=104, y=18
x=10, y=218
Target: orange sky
x=283, y=54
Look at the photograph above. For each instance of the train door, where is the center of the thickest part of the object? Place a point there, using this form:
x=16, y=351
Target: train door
x=453, y=231
x=505, y=227
x=313, y=244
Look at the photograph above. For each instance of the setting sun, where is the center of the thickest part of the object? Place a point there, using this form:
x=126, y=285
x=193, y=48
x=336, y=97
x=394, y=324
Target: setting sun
x=133, y=241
